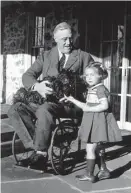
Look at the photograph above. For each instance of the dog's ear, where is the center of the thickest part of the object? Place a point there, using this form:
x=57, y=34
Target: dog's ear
x=20, y=96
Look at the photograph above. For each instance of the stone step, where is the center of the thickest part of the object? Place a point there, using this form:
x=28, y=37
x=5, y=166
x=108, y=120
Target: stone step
x=4, y=116
x=7, y=130
x=7, y=136
x=6, y=149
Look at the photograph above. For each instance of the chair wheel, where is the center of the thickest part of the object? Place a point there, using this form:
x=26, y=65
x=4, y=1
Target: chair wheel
x=63, y=147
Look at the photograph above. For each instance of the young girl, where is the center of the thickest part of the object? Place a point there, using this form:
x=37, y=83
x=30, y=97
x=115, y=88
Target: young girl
x=98, y=123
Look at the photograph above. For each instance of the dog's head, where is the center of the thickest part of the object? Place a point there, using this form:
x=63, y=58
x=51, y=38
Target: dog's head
x=69, y=83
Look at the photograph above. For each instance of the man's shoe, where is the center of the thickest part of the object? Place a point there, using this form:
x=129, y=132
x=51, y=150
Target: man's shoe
x=103, y=174
x=34, y=160
x=23, y=163
x=86, y=177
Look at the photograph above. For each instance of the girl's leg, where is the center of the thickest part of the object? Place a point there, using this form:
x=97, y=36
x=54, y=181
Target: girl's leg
x=90, y=157
x=104, y=173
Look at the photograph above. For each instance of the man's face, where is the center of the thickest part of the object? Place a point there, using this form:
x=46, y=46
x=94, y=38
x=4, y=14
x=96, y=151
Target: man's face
x=63, y=39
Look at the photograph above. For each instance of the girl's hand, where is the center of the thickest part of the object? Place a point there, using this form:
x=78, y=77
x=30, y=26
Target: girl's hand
x=86, y=108
x=74, y=101
x=65, y=98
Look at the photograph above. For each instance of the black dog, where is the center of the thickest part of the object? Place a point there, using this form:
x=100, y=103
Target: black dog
x=67, y=82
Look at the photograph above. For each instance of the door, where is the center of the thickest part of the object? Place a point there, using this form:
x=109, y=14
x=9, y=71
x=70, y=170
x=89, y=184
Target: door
x=116, y=55
x=125, y=113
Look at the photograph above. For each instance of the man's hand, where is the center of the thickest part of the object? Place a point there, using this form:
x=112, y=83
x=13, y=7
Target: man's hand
x=43, y=89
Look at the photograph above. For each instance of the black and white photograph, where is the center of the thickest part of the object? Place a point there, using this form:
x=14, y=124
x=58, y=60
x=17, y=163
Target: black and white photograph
x=65, y=96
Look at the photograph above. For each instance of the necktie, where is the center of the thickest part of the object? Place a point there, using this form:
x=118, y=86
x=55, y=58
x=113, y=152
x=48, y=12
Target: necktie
x=61, y=62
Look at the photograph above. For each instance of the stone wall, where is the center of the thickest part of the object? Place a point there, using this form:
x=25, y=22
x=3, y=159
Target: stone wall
x=14, y=32
x=14, y=42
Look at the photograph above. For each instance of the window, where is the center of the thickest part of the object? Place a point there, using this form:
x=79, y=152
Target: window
x=38, y=38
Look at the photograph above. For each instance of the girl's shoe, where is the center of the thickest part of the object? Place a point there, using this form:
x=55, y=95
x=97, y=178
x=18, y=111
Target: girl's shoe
x=84, y=177
x=103, y=174
x=89, y=173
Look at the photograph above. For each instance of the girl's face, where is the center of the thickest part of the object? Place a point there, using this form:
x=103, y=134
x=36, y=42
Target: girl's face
x=92, y=76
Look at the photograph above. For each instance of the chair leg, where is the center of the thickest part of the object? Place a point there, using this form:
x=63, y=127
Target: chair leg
x=79, y=144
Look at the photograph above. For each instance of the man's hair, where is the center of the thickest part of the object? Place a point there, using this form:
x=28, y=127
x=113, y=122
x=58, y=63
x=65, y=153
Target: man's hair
x=62, y=26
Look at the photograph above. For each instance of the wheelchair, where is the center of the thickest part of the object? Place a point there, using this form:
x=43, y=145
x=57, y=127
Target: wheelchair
x=63, y=147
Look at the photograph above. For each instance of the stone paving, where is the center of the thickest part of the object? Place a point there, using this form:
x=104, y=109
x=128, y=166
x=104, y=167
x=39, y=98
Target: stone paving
x=17, y=180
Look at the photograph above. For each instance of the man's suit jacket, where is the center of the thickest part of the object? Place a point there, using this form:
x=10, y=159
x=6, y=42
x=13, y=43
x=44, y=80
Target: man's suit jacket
x=47, y=65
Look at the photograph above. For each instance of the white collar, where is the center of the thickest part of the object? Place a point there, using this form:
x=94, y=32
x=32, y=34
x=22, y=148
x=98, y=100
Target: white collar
x=60, y=54
x=96, y=85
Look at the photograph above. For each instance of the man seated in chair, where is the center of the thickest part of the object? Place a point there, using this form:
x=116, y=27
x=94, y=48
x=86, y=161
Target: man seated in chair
x=50, y=63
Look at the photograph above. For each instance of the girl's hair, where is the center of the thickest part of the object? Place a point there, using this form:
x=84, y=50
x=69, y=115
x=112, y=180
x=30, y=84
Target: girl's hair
x=101, y=69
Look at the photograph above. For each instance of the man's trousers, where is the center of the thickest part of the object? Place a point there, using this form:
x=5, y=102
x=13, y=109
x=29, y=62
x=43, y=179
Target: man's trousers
x=39, y=120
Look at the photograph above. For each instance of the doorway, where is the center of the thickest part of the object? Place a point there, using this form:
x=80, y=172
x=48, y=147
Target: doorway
x=116, y=55
x=125, y=115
